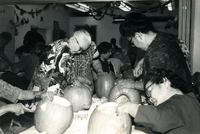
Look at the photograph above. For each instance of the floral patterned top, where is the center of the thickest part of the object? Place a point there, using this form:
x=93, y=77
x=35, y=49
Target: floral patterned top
x=56, y=66
x=165, y=53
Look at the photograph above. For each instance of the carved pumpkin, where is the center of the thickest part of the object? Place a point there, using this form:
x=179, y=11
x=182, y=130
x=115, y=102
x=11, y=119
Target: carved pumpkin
x=119, y=94
x=53, y=117
x=79, y=96
x=104, y=120
x=103, y=85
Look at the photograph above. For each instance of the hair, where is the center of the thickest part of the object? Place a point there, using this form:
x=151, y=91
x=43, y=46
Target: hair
x=6, y=35
x=83, y=37
x=136, y=22
x=156, y=76
x=104, y=47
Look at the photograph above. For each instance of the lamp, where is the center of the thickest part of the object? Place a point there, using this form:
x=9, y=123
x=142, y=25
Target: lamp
x=79, y=6
x=171, y=6
x=123, y=6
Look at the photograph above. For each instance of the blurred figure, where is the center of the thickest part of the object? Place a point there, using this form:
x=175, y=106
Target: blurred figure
x=26, y=66
x=30, y=39
x=5, y=63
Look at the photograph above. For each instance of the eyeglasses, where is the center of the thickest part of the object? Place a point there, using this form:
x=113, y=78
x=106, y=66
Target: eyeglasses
x=151, y=100
x=80, y=48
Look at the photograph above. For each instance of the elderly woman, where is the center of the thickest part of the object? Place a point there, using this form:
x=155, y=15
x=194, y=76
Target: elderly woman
x=174, y=109
x=60, y=64
x=162, y=49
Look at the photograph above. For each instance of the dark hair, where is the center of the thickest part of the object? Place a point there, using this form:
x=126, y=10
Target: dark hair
x=104, y=47
x=6, y=35
x=136, y=22
x=156, y=76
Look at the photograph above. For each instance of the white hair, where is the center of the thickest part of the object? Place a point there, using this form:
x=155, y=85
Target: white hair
x=83, y=37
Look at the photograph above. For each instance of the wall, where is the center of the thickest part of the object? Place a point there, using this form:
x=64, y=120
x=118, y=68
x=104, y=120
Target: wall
x=7, y=15
x=195, y=40
x=107, y=30
x=49, y=15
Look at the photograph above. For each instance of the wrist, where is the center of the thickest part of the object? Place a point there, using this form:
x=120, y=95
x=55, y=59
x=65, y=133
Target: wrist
x=133, y=85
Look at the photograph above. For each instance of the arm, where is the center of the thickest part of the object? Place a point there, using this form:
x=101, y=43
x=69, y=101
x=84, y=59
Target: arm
x=14, y=108
x=4, y=57
x=127, y=83
x=29, y=95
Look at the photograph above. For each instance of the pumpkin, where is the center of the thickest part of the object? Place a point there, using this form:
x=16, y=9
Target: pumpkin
x=79, y=96
x=53, y=117
x=119, y=94
x=104, y=120
x=103, y=85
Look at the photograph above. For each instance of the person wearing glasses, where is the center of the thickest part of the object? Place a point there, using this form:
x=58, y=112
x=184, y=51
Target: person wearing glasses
x=59, y=65
x=161, y=49
x=174, y=108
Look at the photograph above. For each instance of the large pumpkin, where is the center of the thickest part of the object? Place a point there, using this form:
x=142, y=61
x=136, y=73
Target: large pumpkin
x=53, y=117
x=119, y=94
x=79, y=96
x=103, y=85
x=104, y=120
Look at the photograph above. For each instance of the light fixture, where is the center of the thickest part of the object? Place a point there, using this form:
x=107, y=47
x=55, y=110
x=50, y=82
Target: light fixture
x=171, y=6
x=123, y=6
x=78, y=6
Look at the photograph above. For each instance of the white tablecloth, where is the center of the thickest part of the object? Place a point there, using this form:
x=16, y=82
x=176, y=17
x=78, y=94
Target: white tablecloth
x=80, y=121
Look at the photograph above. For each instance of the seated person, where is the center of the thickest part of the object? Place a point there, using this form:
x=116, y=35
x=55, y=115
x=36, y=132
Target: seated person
x=5, y=62
x=174, y=108
x=26, y=65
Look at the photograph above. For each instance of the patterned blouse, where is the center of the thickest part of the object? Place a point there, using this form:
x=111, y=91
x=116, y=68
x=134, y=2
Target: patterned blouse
x=56, y=66
x=165, y=53
x=83, y=62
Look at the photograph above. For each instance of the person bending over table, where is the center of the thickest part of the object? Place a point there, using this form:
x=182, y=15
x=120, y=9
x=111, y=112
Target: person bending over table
x=174, y=108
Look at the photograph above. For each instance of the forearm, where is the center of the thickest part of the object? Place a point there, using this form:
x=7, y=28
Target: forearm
x=97, y=66
x=29, y=95
x=4, y=109
x=139, y=85
x=4, y=57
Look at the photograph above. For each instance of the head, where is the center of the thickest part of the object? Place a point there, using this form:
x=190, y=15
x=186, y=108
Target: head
x=39, y=48
x=117, y=53
x=135, y=27
x=104, y=49
x=160, y=83
x=113, y=41
x=80, y=41
x=5, y=37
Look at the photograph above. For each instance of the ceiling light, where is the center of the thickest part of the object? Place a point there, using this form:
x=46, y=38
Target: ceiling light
x=171, y=6
x=79, y=6
x=123, y=6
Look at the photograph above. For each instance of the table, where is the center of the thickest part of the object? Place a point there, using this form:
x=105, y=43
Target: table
x=80, y=121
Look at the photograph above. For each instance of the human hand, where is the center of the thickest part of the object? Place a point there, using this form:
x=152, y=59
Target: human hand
x=47, y=96
x=137, y=71
x=127, y=108
x=125, y=83
x=18, y=108
x=84, y=80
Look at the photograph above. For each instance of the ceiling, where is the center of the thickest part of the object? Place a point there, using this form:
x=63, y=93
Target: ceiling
x=100, y=5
